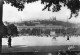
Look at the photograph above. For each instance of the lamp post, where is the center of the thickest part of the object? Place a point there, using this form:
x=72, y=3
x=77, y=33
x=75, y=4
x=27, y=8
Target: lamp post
x=67, y=30
x=67, y=27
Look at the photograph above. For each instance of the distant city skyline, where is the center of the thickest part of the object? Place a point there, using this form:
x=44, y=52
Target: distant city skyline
x=34, y=11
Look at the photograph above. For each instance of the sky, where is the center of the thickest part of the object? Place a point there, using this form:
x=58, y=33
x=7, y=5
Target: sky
x=34, y=11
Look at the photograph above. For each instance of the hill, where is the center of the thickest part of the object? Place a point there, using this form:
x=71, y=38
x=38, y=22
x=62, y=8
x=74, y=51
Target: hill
x=43, y=22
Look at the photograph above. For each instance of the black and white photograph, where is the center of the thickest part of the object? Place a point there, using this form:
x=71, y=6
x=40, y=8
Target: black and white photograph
x=39, y=27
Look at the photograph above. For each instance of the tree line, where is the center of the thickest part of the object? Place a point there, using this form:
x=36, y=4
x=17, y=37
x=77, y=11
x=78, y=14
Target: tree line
x=12, y=30
x=38, y=31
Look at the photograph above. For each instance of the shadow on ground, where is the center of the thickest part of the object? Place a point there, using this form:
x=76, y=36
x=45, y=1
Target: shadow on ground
x=23, y=48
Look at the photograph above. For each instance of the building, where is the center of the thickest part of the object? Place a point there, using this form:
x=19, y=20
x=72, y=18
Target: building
x=40, y=27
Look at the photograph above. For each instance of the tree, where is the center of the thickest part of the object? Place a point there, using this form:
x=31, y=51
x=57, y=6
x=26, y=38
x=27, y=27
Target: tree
x=55, y=3
x=12, y=30
x=73, y=5
x=23, y=31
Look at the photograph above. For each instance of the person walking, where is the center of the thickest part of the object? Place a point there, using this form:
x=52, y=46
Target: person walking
x=9, y=41
x=68, y=38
